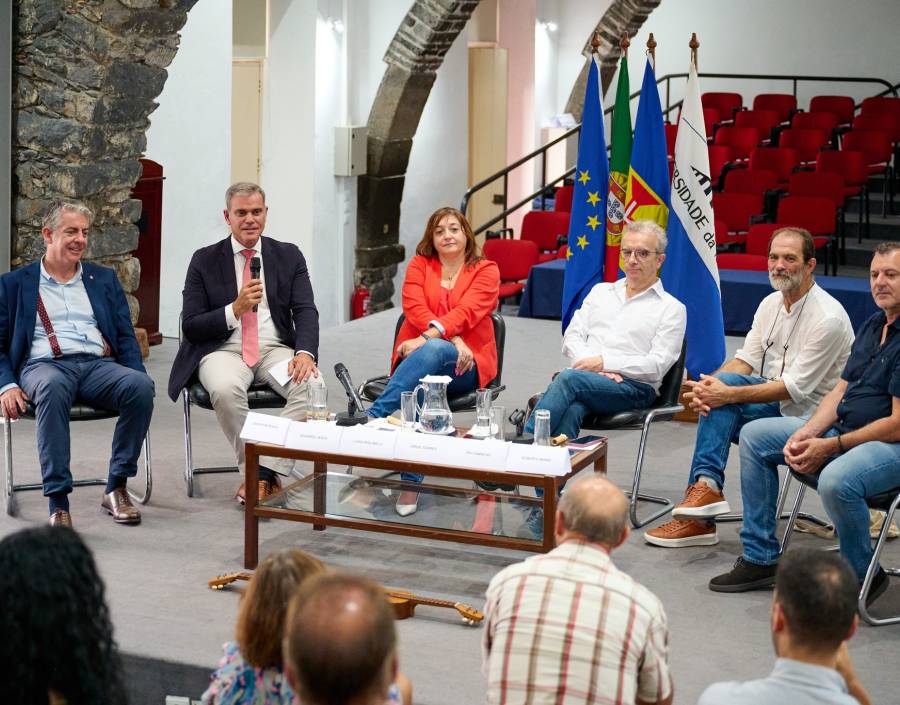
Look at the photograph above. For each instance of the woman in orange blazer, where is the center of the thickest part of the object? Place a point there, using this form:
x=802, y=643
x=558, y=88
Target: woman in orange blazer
x=449, y=293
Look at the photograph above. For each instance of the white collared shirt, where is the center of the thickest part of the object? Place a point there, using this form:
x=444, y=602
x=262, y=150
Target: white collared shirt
x=639, y=337
x=818, y=335
x=268, y=335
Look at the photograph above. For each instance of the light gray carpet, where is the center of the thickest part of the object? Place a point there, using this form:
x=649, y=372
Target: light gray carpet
x=156, y=573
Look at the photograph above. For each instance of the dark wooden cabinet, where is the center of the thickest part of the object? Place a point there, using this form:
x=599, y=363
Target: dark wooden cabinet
x=149, y=190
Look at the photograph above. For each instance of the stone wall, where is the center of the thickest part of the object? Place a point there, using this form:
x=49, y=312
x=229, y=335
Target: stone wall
x=413, y=58
x=86, y=74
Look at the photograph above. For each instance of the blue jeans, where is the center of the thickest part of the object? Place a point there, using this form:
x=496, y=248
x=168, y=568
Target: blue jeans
x=436, y=357
x=722, y=427
x=576, y=393
x=52, y=385
x=843, y=484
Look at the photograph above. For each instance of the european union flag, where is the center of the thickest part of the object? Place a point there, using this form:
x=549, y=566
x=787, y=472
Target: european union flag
x=587, y=224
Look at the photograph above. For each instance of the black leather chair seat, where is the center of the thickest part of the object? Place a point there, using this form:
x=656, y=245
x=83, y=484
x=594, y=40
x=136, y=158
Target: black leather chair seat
x=259, y=396
x=80, y=411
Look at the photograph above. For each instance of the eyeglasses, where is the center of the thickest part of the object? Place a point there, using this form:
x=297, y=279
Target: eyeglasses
x=640, y=254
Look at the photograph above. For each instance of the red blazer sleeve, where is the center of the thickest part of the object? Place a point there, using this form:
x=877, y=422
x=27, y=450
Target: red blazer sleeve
x=419, y=286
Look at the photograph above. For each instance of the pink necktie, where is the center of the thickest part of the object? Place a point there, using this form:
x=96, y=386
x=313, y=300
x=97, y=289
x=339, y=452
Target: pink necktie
x=249, y=330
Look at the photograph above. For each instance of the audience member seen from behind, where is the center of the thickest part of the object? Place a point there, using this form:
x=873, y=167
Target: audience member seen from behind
x=57, y=643
x=250, y=672
x=813, y=615
x=569, y=626
x=449, y=293
x=340, y=644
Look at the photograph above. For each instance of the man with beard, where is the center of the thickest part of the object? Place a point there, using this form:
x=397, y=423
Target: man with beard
x=791, y=358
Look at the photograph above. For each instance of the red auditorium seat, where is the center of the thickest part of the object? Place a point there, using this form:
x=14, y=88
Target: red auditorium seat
x=750, y=181
x=879, y=122
x=877, y=151
x=781, y=160
x=880, y=104
x=719, y=156
x=758, y=238
x=563, y=252
x=543, y=228
x=710, y=119
x=741, y=140
x=850, y=165
x=815, y=121
x=562, y=201
x=817, y=215
x=514, y=258
x=736, y=210
x=671, y=133
x=739, y=260
x=821, y=184
x=762, y=120
x=784, y=104
x=808, y=142
x=726, y=103
x=841, y=106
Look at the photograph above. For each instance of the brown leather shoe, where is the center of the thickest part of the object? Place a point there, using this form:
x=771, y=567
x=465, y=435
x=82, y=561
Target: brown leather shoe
x=701, y=502
x=61, y=517
x=118, y=504
x=683, y=532
x=266, y=490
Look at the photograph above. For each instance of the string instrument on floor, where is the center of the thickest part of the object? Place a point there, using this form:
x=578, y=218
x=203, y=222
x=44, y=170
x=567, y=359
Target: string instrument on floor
x=403, y=602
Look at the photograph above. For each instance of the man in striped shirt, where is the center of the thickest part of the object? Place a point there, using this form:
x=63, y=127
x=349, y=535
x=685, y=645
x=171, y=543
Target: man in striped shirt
x=568, y=627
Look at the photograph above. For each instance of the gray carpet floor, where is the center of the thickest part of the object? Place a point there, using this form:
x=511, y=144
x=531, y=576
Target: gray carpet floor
x=156, y=573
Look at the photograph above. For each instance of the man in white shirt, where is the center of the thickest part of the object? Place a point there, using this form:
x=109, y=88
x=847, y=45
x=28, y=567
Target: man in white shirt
x=791, y=358
x=238, y=325
x=622, y=340
x=813, y=616
x=569, y=626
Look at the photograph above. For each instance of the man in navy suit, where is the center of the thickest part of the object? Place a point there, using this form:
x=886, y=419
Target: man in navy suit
x=228, y=345
x=66, y=333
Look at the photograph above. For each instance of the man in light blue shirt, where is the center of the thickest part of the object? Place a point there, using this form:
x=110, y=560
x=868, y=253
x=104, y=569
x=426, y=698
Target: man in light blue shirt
x=66, y=334
x=813, y=616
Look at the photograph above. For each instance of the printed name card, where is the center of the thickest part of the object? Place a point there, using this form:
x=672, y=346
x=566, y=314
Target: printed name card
x=367, y=442
x=262, y=428
x=540, y=460
x=323, y=436
x=449, y=450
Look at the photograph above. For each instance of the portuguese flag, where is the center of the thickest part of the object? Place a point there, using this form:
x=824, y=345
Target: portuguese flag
x=619, y=163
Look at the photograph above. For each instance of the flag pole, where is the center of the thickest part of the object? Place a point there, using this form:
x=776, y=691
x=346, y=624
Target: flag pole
x=651, y=49
x=624, y=43
x=595, y=43
x=694, y=45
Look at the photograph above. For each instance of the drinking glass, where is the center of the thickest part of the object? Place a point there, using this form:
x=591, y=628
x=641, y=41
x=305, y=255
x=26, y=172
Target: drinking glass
x=408, y=410
x=497, y=416
x=542, y=427
x=318, y=402
x=483, y=411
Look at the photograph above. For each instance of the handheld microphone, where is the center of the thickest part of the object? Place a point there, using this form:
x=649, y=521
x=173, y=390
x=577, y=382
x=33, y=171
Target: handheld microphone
x=255, y=266
x=356, y=413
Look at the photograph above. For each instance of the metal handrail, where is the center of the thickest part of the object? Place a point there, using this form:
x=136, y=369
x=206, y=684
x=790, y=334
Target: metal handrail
x=670, y=106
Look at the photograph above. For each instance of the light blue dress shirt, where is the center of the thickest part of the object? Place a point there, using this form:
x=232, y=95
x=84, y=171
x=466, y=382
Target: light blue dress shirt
x=790, y=683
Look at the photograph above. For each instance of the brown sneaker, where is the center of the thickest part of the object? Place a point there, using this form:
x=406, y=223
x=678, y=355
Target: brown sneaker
x=680, y=532
x=701, y=502
x=266, y=490
x=118, y=505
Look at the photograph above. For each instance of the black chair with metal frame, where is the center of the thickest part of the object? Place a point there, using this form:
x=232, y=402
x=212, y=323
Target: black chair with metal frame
x=663, y=409
x=79, y=411
x=886, y=502
x=373, y=388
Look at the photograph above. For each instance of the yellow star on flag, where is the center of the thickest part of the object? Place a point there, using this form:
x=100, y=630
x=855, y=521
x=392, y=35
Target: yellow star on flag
x=568, y=254
x=583, y=177
x=593, y=197
x=593, y=221
x=582, y=241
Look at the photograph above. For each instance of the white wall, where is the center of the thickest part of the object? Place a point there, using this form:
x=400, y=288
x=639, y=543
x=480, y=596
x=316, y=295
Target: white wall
x=190, y=135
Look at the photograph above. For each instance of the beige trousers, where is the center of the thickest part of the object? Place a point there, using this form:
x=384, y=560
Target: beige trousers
x=227, y=378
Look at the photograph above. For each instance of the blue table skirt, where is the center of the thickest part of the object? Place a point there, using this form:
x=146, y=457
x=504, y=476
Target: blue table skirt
x=742, y=291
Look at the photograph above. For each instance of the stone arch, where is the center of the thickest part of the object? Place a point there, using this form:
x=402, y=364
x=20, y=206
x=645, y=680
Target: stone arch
x=413, y=58
x=86, y=74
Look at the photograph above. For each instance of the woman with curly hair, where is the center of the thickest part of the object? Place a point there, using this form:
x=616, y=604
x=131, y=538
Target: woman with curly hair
x=251, y=670
x=56, y=637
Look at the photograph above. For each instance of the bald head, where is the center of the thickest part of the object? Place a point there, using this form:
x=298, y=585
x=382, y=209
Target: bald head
x=595, y=509
x=339, y=641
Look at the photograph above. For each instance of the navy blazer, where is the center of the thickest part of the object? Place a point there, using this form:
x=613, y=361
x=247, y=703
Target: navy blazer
x=211, y=285
x=18, y=317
